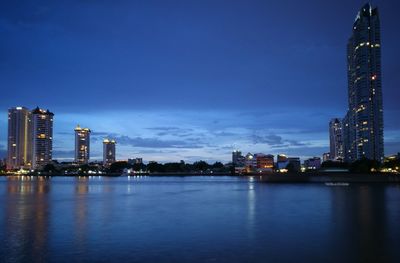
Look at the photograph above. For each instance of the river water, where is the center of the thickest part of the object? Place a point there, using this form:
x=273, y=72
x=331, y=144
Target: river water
x=195, y=219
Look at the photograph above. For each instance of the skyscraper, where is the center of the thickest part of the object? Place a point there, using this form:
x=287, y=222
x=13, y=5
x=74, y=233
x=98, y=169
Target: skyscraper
x=236, y=156
x=19, y=148
x=82, y=145
x=336, y=139
x=42, y=137
x=364, y=120
x=108, y=152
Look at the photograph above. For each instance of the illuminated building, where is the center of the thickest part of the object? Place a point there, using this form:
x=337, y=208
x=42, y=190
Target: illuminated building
x=42, y=137
x=19, y=148
x=281, y=158
x=326, y=157
x=135, y=161
x=264, y=161
x=313, y=163
x=281, y=161
x=108, y=152
x=250, y=162
x=336, y=140
x=285, y=163
x=363, y=124
x=82, y=145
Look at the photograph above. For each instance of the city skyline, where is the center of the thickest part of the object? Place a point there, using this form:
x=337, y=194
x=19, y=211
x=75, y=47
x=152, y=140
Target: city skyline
x=180, y=100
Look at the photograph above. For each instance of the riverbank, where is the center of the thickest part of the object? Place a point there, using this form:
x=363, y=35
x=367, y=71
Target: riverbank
x=331, y=178
x=315, y=177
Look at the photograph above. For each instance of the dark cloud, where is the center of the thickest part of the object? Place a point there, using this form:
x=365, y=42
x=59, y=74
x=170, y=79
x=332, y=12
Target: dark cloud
x=296, y=143
x=305, y=152
x=171, y=131
x=271, y=140
x=224, y=134
x=276, y=141
x=105, y=134
x=154, y=142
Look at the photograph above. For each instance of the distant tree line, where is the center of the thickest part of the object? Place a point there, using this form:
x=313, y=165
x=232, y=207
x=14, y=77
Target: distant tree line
x=174, y=167
x=360, y=166
x=363, y=165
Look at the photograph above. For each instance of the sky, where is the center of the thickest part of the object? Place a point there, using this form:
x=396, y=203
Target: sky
x=189, y=80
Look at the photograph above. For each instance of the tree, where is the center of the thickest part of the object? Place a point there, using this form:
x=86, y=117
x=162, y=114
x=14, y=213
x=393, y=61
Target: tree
x=154, y=167
x=218, y=165
x=291, y=167
x=49, y=168
x=200, y=166
x=139, y=166
x=333, y=164
x=364, y=165
x=118, y=167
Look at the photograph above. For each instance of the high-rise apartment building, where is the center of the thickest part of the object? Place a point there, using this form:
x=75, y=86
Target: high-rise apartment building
x=19, y=141
x=237, y=158
x=82, y=145
x=42, y=137
x=336, y=140
x=363, y=124
x=108, y=152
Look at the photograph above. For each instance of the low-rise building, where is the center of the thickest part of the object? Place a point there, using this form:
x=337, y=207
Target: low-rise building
x=264, y=162
x=312, y=163
x=326, y=157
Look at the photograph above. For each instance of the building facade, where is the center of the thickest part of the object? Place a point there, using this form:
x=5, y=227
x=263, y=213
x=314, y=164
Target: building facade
x=336, y=140
x=326, y=157
x=264, y=161
x=238, y=159
x=312, y=163
x=108, y=152
x=19, y=141
x=42, y=137
x=82, y=145
x=364, y=120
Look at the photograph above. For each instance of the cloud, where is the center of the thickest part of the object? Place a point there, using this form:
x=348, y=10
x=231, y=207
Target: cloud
x=155, y=142
x=104, y=134
x=172, y=131
x=276, y=141
x=224, y=134
x=306, y=152
x=296, y=143
x=271, y=140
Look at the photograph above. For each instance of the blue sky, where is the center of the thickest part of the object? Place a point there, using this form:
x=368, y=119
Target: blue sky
x=189, y=80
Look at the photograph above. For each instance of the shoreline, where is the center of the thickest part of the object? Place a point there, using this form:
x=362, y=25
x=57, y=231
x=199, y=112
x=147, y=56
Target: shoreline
x=314, y=177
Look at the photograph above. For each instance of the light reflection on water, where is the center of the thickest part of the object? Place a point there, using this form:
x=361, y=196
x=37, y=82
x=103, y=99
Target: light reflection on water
x=195, y=219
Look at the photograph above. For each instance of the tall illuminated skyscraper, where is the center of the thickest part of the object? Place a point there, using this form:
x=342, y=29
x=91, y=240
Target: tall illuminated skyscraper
x=19, y=148
x=108, y=152
x=42, y=137
x=336, y=140
x=363, y=124
x=82, y=145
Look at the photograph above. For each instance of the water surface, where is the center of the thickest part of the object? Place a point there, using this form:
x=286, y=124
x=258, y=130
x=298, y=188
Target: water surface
x=195, y=219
